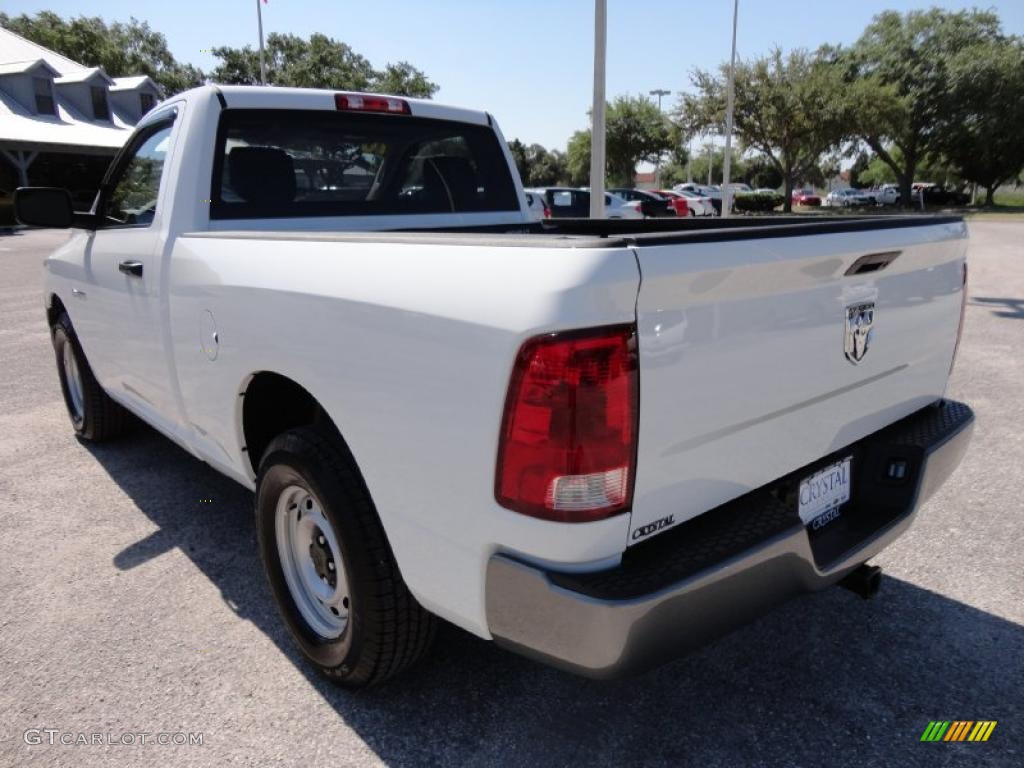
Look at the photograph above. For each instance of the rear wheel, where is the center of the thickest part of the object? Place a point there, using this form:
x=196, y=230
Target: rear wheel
x=93, y=414
x=332, y=573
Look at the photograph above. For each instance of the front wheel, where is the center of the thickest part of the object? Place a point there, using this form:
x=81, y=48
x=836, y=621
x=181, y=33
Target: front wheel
x=93, y=414
x=332, y=573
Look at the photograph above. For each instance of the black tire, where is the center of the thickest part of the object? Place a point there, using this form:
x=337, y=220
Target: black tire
x=387, y=630
x=98, y=418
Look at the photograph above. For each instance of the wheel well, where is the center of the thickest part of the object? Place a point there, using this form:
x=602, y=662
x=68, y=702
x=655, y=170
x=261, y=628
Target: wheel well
x=54, y=310
x=272, y=405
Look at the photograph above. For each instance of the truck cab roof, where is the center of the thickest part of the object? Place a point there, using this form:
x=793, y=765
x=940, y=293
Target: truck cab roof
x=274, y=97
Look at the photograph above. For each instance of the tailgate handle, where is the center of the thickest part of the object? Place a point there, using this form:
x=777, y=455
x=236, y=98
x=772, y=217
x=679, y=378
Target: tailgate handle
x=872, y=262
x=133, y=268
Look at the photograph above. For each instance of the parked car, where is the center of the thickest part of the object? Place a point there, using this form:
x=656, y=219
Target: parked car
x=678, y=204
x=687, y=203
x=541, y=435
x=712, y=193
x=890, y=192
x=956, y=197
x=935, y=194
x=651, y=205
x=806, y=197
x=767, y=191
x=538, y=208
x=698, y=205
x=739, y=188
x=846, y=198
x=569, y=202
x=887, y=194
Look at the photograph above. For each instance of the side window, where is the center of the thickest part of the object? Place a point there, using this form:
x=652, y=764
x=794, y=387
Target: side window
x=134, y=190
x=44, y=96
x=100, y=108
x=562, y=199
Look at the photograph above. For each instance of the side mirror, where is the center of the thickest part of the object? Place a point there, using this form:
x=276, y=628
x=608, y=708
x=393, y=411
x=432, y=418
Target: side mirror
x=50, y=207
x=43, y=207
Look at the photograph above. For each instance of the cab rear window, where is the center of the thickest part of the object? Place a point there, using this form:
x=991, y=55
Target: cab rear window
x=301, y=163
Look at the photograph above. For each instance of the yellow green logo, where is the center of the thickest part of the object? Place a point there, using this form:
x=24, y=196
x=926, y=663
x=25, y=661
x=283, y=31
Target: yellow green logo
x=959, y=730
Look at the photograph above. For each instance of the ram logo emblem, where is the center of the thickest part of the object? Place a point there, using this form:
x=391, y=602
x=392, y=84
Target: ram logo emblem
x=860, y=319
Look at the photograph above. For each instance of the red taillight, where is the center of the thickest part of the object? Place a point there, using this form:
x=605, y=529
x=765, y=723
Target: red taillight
x=568, y=439
x=357, y=102
x=960, y=327
x=547, y=212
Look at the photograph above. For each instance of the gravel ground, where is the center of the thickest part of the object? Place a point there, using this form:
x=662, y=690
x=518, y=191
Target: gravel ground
x=132, y=600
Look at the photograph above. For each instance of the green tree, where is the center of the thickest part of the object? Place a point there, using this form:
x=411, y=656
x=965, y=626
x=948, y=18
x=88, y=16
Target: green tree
x=518, y=151
x=635, y=131
x=716, y=159
x=877, y=172
x=403, y=79
x=983, y=138
x=860, y=165
x=319, y=62
x=759, y=172
x=538, y=167
x=898, y=79
x=577, y=158
x=937, y=170
x=122, y=49
x=785, y=109
x=547, y=167
x=673, y=170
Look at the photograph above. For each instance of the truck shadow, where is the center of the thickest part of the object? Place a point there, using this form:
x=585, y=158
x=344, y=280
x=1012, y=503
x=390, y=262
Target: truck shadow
x=1013, y=308
x=826, y=675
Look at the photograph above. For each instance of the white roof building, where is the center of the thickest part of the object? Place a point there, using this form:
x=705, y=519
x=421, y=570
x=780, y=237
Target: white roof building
x=49, y=103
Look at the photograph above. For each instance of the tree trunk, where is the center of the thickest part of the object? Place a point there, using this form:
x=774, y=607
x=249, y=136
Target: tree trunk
x=990, y=193
x=907, y=180
x=787, y=191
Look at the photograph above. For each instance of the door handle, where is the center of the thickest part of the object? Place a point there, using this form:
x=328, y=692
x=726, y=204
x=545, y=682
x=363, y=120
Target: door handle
x=133, y=268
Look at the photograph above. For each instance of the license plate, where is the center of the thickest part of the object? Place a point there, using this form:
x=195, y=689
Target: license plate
x=824, y=492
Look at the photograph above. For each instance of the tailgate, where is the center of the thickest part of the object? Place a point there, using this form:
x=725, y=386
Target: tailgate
x=759, y=355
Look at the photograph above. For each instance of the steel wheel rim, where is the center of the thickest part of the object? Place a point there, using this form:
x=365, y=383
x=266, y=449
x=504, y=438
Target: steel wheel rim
x=311, y=561
x=73, y=378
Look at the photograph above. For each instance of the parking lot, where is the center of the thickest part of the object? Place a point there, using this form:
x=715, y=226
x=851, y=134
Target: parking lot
x=132, y=600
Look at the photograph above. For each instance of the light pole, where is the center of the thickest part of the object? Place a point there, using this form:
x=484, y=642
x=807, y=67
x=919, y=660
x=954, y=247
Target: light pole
x=659, y=92
x=259, y=21
x=730, y=98
x=597, y=111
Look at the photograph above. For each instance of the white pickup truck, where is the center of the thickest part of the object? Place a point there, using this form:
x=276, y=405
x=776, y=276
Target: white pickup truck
x=599, y=443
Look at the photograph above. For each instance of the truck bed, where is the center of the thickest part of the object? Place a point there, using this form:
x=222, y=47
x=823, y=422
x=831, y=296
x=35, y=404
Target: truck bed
x=605, y=233
x=740, y=326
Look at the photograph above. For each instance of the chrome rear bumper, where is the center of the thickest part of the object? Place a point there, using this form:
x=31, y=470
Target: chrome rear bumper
x=726, y=567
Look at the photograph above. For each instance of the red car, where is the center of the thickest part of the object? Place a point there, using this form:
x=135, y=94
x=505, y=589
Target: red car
x=805, y=197
x=676, y=201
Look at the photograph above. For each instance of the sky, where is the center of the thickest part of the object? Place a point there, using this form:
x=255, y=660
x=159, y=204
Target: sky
x=527, y=62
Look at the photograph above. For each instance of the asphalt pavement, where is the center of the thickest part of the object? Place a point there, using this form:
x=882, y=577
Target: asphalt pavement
x=132, y=601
